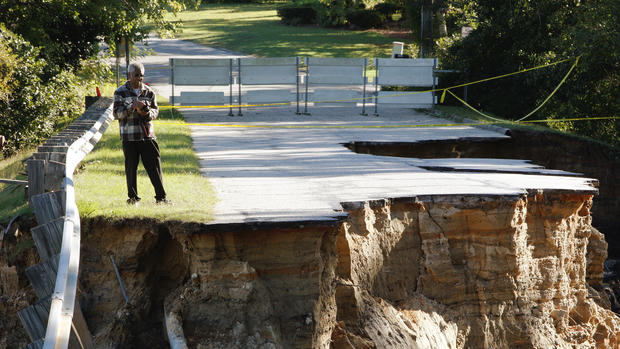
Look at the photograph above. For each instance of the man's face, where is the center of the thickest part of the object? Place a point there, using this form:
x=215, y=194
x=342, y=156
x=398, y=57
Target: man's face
x=135, y=78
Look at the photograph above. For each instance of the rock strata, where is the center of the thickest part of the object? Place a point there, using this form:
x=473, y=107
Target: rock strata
x=498, y=272
x=426, y=272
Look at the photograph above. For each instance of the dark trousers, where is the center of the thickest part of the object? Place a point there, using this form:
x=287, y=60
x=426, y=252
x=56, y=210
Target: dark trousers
x=148, y=150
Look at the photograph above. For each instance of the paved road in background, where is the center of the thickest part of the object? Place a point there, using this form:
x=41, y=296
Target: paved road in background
x=157, y=64
x=274, y=165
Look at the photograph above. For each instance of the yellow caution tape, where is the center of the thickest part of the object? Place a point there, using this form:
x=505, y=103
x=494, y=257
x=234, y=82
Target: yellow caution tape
x=474, y=109
x=530, y=113
x=553, y=92
x=509, y=74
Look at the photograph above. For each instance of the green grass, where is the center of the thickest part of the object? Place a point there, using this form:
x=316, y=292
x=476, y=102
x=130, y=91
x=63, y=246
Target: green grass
x=255, y=29
x=101, y=188
x=13, y=199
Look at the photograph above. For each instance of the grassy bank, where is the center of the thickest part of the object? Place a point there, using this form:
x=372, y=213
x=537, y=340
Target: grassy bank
x=101, y=188
x=255, y=29
x=12, y=197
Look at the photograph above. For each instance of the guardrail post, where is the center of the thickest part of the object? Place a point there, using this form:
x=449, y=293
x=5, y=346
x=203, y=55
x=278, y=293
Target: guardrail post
x=239, y=82
x=172, y=81
x=298, y=77
x=434, y=83
x=48, y=237
x=306, y=82
x=230, y=85
x=364, y=93
x=47, y=207
x=376, y=87
x=53, y=175
x=36, y=181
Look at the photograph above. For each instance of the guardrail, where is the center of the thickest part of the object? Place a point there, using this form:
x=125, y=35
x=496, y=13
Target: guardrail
x=63, y=298
x=55, y=320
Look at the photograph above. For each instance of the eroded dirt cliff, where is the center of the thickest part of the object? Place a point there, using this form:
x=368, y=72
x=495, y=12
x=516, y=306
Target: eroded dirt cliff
x=434, y=271
x=484, y=272
x=549, y=149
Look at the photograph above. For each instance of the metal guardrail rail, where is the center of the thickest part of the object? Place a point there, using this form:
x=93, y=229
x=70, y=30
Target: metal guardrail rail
x=64, y=296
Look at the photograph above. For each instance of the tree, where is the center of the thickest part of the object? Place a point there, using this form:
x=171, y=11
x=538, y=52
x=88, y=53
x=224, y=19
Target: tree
x=431, y=20
x=32, y=106
x=593, y=89
x=8, y=64
x=520, y=34
x=69, y=31
x=334, y=12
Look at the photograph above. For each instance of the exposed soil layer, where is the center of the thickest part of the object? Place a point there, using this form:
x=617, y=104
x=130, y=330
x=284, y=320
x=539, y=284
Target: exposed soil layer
x=434, y=271
x=551, y=150
x=16, y=254
x=453, y=271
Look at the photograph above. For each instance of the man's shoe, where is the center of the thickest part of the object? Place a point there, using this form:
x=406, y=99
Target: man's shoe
x=133, y=201
x=163, y=202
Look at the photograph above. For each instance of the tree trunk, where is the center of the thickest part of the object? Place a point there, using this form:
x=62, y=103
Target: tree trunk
x=426, y=47
x=442, y=29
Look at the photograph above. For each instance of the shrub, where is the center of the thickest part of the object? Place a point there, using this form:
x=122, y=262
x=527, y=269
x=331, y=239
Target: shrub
x=297, y=13
x=230, y=1
x=332, y=13
x=36, y=100
x=362, y=18
x=387, y=9
x=506, y=40
x=8, y=63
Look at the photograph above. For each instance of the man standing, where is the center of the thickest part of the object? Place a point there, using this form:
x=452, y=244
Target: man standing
x=135, y=107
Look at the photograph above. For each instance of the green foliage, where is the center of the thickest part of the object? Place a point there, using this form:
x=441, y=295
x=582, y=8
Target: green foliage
x=449, y=14
x=336, y=13
x=69, y=31
x=231, y=1
x=593, y=89
x=364, y=19
x=522, y=34
x=388, y=9
x=8, y=63
x=299, y=12
x=36, y=101
x=333, y=12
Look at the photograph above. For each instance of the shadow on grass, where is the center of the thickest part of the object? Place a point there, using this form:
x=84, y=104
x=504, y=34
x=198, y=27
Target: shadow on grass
x=257, y=30
x=273, y=39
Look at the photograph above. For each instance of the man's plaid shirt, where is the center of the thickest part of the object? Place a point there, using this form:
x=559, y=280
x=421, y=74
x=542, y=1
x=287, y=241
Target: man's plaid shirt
x=133, y=126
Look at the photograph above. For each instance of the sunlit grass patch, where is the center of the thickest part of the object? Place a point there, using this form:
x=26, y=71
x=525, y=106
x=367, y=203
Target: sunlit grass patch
x=101, y=186
x=255, y=29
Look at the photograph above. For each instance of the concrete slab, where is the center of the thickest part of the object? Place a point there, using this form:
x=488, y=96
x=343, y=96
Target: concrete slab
x=273, y=165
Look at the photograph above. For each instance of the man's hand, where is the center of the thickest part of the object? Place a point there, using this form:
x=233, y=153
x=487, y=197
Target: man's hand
x=138, y=106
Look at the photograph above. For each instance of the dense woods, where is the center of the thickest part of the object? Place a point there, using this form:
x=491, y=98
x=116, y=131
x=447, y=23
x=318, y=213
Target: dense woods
x=511, y=36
